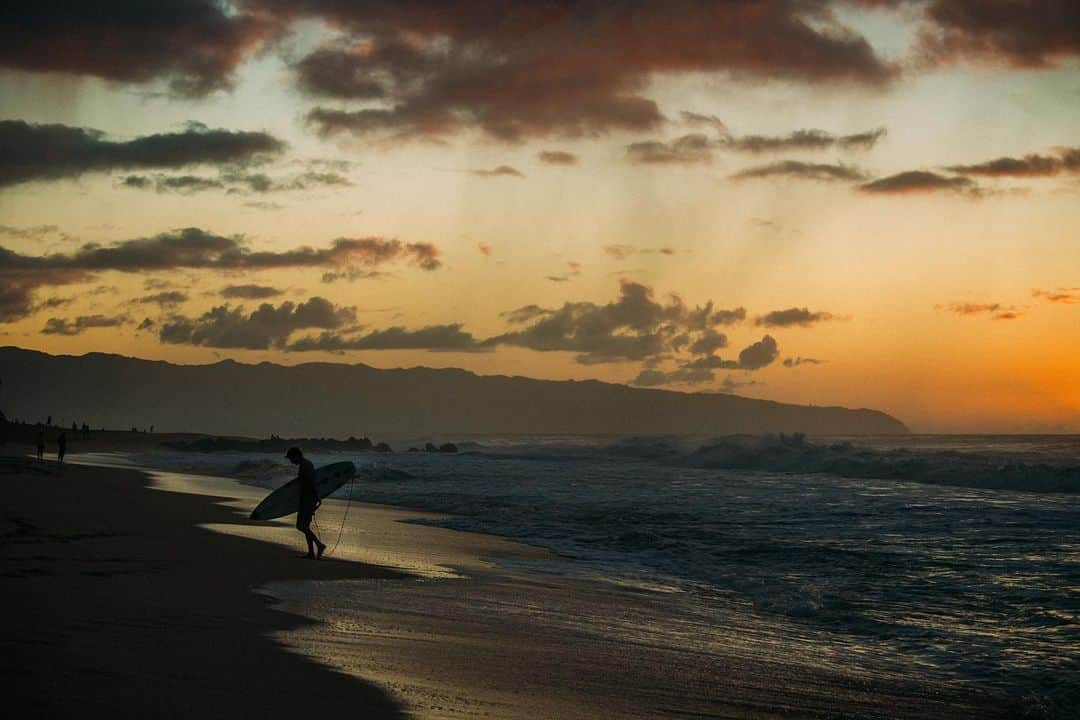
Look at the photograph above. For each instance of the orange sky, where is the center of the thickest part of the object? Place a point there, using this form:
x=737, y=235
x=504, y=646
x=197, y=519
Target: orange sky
x=898, y=212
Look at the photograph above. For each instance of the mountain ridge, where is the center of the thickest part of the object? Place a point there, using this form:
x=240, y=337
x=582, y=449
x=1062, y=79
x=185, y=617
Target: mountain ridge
x=340, y=399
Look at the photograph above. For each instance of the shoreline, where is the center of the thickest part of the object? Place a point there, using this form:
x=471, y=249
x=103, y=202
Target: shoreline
x=409, y=620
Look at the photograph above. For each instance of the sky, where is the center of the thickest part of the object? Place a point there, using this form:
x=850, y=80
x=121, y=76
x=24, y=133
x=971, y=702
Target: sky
x=867, y=203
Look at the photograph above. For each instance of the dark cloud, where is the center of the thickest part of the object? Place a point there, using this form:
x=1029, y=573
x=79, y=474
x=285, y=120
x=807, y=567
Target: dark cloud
x=193, y=44
x=802, y=140
x=803, y=170
x=1029, y=34
x=34, y=232
x=701, y=120
x=918, y=181
x=700, y=370
x=801, y=317
x=635, y=326
x=63, y=326
x=500, y=171
x=686, y=150
x=681, y=376
x=51, y=152
x=730, y=384
x=557, y=157
x=995, y=310
x=168, y=298
x=525, y=314
x=250, y=292
x=1032, y=165
x=728, y=317
x=191, y=248
x=433, y=337
x=697, y=148
x=797, y=361
x=760, y=354
x=566, y=69
x=268, y=326
x=709, y=342
x=235, y=182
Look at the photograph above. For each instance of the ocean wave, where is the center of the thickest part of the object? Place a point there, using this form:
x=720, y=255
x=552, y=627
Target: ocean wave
x=796, y=454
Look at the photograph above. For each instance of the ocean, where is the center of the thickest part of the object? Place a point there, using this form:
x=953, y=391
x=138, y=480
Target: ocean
x=949, y=560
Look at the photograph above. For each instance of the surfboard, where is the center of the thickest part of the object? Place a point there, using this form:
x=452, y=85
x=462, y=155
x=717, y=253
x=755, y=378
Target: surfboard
x=286, y=499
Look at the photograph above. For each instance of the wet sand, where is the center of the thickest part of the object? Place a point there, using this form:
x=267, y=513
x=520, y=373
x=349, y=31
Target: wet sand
x=147, y=595
x=116, y=601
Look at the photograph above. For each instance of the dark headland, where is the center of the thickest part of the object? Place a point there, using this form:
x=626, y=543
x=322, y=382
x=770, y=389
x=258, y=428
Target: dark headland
x=329, y=399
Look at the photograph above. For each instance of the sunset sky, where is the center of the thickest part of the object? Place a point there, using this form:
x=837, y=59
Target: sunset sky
x=869, y=203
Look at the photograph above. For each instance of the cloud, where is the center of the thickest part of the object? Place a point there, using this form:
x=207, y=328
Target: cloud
x=267, y=326
x=235, y=182
x=996, y=310
x=801, y=317
x=192, y=248
x=433, y=337
x=500, y=171
x=62, y=326
x=574, y=269
x=694, y=119
x=700, y=370
x=52, y=152
x=194, y=45
x=697, y=148
x=797, y=361
x=917, y=182
x=1067, y=296
x=804, y=140
x=807, y=171
x=525, y=314
x=686, y=150
x=1031, y=165
x=759, y=354
x=250, y=292
x=709, y=342
x=521, y=71
x=557, y=157
x=730, y=384
x=1021, y=34
x=36, y=233
x=634, y=326
x=622, y=252
x=684, y=376
x=168, y=298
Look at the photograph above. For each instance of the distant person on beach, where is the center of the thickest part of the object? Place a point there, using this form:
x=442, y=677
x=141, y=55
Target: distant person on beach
x=309, y=502
x=40, y=445
x=61, y=448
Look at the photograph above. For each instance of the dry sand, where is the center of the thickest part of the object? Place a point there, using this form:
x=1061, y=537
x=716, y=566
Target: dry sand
x=134, y=595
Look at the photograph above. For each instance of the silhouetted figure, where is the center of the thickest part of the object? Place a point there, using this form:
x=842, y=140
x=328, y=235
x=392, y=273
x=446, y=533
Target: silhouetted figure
x=48, y=421
x=309, y=502
x=40, y=445
x=61, y=448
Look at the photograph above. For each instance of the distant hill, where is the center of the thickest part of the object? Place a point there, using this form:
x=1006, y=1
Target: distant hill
x=338, y=400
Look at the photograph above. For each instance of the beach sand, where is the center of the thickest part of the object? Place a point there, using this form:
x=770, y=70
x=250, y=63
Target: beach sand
x=138, y=595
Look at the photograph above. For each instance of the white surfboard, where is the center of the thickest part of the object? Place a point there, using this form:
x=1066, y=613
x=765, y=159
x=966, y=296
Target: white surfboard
x=286, y=499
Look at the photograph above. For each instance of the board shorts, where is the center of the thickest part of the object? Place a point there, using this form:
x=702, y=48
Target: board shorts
x=304, y=517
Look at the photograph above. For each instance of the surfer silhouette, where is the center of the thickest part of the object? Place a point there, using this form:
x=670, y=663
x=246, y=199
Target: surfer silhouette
x=61, y=448
x=309, y=502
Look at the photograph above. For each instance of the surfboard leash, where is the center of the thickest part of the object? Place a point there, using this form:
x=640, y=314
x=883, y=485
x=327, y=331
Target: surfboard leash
x=344, y=517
